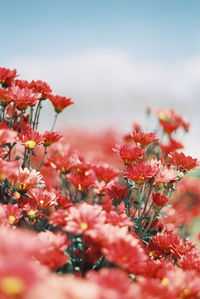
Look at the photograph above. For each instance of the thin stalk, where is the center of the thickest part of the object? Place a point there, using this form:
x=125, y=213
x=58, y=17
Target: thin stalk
x=42, y=162
x=147, y=199
x=2, y=109
x=25, y=157
x=36, y=113
x=12, y=117
x=153, y=216
x=37, y=120
x=83, y=255
x=55, y=119
x=31, y=115
x=20, y=119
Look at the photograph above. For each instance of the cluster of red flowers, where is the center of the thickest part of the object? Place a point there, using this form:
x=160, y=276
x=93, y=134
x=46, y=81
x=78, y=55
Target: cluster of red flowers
x=105, y=211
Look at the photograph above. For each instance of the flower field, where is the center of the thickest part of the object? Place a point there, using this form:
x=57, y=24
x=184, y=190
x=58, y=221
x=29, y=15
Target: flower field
x=94, y=215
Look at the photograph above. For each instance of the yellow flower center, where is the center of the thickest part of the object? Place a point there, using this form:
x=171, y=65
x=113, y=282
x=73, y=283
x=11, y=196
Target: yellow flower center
x=17, y=195
x=12, y=286
x=22, y=186
x=2, y=176
x=79, y=187
x=30, y=144
x=31, y=213
x=185, y=293
x=165, y=282
x=84, y=225
x=11, y=219
x=152, y=253
x=62, y=169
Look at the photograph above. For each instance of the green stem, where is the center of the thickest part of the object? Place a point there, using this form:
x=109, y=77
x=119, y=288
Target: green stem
x=36, y=113
x=55, y=119
x=20, y=119
x=42, y=162
x=25, y=157
x=147, y=199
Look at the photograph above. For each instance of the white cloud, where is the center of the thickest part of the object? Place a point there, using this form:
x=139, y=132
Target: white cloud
x=110, y=85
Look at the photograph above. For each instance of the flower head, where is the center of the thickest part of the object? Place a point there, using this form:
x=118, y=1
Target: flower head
x=129, y=154
x=42, y=87
x=23, y=97
x=7, y=76
x=30, y=139
x=144, y=139
x=60, y=102
x=84, y=218
x=140, y=173
x=182, y=162
x=50, y=137
x=159, y=199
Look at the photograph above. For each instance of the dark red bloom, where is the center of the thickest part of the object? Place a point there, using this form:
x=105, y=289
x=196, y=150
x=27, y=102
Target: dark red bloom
x=159, y=199
x=116, y=192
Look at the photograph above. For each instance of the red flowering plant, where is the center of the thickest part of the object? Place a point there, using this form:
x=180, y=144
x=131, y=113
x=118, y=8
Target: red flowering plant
x=110, y=209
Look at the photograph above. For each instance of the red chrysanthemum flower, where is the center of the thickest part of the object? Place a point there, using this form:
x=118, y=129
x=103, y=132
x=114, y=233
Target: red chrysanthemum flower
x=105, y=172
x=140, y=173
x=82, y=181
x=84, y=218
x=58, y=218
x=106, y=279
x=169, y=126
x=116, y=192
x=22, y=83
x=52, y=253
x=25, y=179
x=182, y=162
x=7, y=76
x=7, y=135
x=4, y=97
x=127, y=253
x=121, y=220
x=30, y=139
x=159, y=199
x=7, y=169
x=23, y=97
x=60, y=102
x=43, y=198
x=13, y=213
x=129, y=154
x=50, y=137
x=63, y=162
x=144, y=139
x=165, y=175
x=172, y=146
x=41, y=87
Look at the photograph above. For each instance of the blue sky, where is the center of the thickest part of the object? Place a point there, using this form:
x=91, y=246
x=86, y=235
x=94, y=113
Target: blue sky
x=166, y=30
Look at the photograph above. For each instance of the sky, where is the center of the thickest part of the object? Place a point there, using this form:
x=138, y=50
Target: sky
x=166, y=30
x=113, y=57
